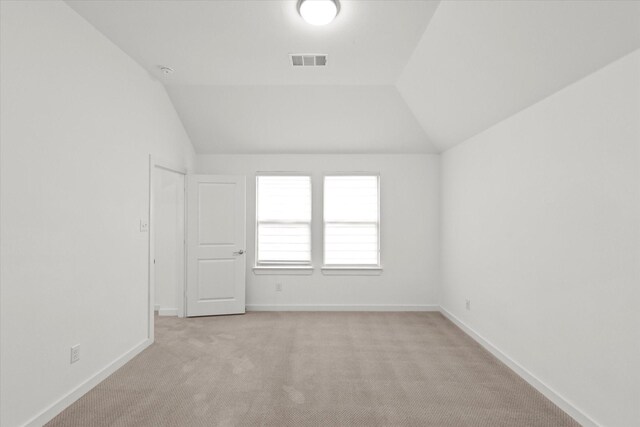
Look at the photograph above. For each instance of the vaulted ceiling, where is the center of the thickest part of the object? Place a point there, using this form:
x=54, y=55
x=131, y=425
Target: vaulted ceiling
x=480, y=62
x=402, y=76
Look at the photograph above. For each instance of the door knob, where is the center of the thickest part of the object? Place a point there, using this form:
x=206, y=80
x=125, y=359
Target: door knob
x=240, y=252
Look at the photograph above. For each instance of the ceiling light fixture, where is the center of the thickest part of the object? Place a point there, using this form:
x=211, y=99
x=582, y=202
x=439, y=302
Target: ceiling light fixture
x=318, y=12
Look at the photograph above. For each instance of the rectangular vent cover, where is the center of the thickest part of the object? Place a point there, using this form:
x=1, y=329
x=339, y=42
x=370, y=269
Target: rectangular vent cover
x=308, y=60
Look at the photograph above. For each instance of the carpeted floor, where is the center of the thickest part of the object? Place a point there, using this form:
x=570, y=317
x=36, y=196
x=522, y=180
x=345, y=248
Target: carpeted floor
x=313, y=369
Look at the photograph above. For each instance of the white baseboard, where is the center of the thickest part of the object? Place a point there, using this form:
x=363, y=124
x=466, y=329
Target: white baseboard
x=53, y=410
x=156, y=307
x=168, y=312
x=342, y=307
x=534, y=381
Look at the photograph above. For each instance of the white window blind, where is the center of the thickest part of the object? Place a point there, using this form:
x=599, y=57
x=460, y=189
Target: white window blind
x=283, y=220
x=351, y=220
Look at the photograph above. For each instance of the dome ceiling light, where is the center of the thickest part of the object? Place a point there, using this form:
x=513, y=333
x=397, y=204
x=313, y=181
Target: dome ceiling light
x=318, y=12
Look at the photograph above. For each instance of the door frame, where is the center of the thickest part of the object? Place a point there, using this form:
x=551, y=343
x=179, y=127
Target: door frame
x=154, y=165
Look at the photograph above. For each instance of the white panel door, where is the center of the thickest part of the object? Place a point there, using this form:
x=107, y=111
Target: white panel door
x=215, y=245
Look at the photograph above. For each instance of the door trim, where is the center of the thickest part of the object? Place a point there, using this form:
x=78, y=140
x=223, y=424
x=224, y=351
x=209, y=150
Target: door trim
x=155, y=163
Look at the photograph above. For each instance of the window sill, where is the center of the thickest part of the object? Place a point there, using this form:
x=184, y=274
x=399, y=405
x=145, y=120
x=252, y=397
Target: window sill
x=296, y=270
x=352, y=271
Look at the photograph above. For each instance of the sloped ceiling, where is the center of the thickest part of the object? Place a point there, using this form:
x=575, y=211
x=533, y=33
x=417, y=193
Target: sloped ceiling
x=480, y=62
x=403, y=76
x=248, y=42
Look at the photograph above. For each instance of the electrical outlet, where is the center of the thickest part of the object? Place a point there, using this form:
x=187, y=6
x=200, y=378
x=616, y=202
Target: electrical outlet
x=278, y=287
x=75, y=353
x=468, y=304
x=144, y=225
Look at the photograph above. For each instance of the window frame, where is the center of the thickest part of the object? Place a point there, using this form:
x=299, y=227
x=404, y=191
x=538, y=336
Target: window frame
x=352, y=268
x=284, y=265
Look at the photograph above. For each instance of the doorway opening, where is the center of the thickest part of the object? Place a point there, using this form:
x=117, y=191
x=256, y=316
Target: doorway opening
x=167, y=241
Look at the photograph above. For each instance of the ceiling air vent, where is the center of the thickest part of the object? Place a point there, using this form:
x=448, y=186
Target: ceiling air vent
x=308, y=60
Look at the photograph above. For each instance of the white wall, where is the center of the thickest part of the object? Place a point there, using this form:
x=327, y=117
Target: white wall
x=269, y=119
x=541, y=231
x=78, y=121
x=409, y=227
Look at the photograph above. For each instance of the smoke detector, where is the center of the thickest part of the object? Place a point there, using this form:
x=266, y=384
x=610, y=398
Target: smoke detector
x=308, y=59
x=165, y=70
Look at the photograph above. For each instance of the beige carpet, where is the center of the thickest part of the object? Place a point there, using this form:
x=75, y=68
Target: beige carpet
x=313, y=369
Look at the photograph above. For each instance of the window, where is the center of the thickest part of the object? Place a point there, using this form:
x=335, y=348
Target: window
x=351, y=221
x=283, y=220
